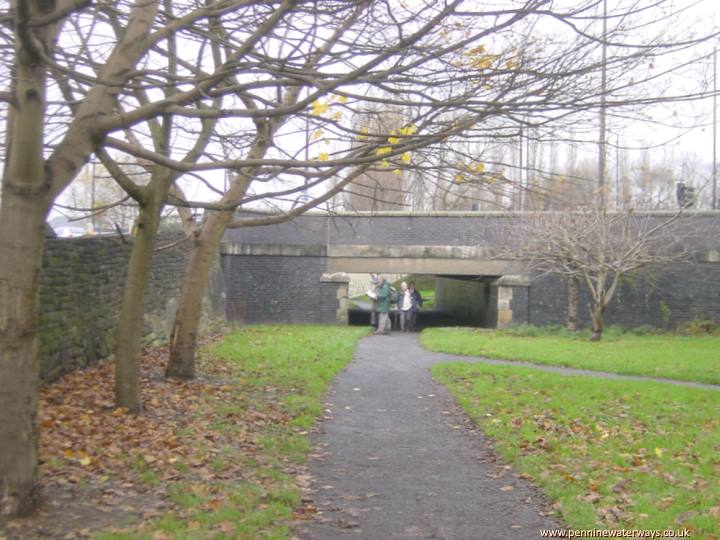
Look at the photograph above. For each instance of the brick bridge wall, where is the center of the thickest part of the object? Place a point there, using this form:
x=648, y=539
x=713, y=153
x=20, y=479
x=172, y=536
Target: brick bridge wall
x=273, y=272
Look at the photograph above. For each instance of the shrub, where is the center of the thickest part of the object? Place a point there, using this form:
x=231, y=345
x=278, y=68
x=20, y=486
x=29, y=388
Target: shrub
x=614, y=332
x=645, y=330
x=530, y=330
x=699, y=326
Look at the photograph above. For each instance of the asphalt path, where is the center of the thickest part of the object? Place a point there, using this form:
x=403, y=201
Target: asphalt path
x=395, y=458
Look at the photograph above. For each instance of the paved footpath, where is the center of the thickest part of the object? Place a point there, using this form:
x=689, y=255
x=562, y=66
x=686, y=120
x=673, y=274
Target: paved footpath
x=396, y=459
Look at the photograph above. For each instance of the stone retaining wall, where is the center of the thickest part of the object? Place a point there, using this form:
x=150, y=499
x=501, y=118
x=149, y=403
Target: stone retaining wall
x=81, y=289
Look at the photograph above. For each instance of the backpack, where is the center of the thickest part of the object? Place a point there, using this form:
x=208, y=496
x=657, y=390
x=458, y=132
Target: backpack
x=394, y=295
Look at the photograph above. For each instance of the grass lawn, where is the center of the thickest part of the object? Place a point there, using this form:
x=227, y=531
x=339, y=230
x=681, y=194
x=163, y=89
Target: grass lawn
x=668, y=356
x=428, y=296
x=274, y=379
x=612, y=454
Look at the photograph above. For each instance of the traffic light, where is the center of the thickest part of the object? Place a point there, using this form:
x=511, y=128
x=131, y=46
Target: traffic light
x=685, y=195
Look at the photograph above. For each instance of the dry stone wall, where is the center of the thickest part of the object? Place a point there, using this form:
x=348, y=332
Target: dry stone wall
x=81, y=288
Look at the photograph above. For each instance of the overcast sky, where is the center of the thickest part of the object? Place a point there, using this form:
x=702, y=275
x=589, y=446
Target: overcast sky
x=666, y=128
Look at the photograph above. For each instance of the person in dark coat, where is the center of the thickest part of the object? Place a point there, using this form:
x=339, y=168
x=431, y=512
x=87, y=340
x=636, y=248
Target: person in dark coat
x=383, y=306
x=415, y=306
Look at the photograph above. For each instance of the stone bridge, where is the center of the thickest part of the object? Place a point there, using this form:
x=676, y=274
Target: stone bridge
x=297, y=271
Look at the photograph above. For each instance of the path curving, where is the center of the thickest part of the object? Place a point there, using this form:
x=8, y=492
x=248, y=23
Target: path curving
x=397, y=459
x=445, y=357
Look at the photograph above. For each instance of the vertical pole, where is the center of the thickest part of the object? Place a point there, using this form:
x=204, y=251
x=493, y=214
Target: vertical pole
x=527, y=168
x=305, y=195
x=520, y=170
x=603, y=113
x=714, y=153
x=617, y=172
x=93, y=219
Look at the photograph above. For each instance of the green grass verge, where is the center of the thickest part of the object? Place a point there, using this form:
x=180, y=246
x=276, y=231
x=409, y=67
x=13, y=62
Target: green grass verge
x=612, y=454
x=279, y=375
x=668, y=356
x=428, y=296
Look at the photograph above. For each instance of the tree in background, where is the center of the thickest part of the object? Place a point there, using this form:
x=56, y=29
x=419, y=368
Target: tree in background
x=598, y=249
x=383, y=189
x=95, y=197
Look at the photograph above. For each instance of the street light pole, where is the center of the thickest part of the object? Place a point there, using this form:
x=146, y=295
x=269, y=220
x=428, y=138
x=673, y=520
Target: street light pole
x=602, y=143
x=520, y=171
x=714, y=167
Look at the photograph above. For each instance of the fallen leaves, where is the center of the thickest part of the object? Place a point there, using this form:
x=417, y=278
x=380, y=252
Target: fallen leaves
x=99, y=464
x=627, y=458
x=85, y=436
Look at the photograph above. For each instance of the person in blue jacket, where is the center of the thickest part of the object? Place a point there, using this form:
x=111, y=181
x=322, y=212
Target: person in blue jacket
x=416, y=305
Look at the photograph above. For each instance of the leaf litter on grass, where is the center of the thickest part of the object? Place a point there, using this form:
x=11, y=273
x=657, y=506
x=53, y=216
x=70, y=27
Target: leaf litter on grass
x=613, y=454
x=101, y=467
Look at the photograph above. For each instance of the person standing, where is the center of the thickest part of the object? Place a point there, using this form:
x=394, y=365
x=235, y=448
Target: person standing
x=383, y=306
x=415, y=306
x=374, y=308
x=405, y=307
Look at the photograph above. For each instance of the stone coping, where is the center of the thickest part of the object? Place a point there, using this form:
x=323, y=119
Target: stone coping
x=361, y=251
x=474, y=213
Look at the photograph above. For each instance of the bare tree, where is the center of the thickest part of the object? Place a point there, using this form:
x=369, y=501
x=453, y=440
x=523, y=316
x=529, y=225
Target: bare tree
x=94, y=196
x=598, y=249
x=379, y=190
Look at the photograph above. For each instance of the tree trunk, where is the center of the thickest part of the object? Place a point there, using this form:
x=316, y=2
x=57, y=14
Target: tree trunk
x=572, y=303
x=22, y=227
x=596, y=314
x=129, y=330
x=183, y=338
x=21, y=241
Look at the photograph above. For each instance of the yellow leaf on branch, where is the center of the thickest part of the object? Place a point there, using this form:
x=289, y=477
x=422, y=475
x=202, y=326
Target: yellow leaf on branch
x=484, y=61
x=319, y=108
x=480, y=49
x=383, y=150
x=406, y=157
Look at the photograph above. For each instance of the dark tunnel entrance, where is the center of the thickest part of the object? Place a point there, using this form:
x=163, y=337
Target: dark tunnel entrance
x=449, y=300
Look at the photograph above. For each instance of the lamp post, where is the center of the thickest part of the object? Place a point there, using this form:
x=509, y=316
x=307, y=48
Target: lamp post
x=520, y=171
x=602, y=143
x=714, y=153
